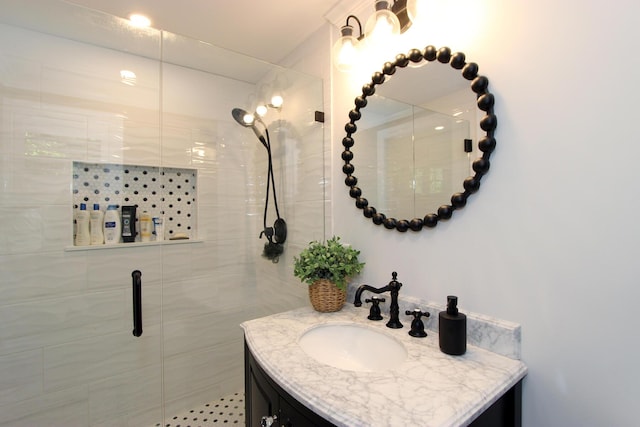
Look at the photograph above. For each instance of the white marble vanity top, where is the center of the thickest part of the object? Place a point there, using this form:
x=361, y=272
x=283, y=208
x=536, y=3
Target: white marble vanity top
x=429, y=389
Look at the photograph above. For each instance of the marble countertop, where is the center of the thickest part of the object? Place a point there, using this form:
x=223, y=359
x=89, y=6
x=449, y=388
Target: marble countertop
x=429, y=389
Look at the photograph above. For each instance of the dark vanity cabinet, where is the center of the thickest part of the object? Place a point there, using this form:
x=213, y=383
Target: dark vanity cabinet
x=505, y=412
x=264, y=398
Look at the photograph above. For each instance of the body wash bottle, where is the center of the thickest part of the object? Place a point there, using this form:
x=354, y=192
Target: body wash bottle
x=128, y=224
x=96, y=220
x=452, y=329
x=112, y=226
x=83, y=237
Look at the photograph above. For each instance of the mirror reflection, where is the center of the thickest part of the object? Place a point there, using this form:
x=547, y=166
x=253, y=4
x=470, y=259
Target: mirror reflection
x=414, y=158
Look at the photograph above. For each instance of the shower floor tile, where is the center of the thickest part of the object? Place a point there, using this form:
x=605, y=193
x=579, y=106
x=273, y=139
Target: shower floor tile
x=228, y=410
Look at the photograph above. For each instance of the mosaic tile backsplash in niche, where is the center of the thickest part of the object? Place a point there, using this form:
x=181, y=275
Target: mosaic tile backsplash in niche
x=167, y=193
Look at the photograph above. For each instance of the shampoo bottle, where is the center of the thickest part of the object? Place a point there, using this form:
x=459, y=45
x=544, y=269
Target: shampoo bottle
x=452, y=329
x=146, y=227
x=96, y=220
x=83, y=237
x=112, y=225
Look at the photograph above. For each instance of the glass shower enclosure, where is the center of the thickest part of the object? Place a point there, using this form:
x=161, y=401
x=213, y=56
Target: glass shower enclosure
x=83, y=94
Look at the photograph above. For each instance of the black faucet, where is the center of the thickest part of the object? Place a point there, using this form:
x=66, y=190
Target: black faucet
x=394, y=310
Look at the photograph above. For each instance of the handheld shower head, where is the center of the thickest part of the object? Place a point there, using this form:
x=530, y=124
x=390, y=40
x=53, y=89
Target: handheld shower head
x=277, y=234
x=239, y=114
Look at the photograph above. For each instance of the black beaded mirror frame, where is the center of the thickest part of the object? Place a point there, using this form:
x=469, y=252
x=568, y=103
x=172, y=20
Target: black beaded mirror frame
x=486, y=144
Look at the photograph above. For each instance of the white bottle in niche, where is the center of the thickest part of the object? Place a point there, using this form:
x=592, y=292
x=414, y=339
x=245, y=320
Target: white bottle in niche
x=96, y=220
x=145, y=226
x=83, y=237
x=158, y=228
x=112, y=226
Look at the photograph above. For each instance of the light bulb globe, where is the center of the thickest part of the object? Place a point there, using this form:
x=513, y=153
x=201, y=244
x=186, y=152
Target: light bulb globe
x=261, y=110
x=382, y=25
x=277, y=101
x=345, y=50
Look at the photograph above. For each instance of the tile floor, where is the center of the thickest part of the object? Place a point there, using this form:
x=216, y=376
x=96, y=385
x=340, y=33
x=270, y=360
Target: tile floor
x=228, y=410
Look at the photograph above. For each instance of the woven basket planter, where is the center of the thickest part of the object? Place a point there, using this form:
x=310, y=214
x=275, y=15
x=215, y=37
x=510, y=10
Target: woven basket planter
x=326, y=297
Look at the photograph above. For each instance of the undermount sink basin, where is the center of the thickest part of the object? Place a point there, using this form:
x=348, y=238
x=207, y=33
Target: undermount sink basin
x=353, y=347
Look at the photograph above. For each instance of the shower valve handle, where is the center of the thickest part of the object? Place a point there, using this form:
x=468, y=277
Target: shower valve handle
x=268, y=232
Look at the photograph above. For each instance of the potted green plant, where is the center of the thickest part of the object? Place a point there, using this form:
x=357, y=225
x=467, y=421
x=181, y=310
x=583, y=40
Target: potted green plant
x=326, y=268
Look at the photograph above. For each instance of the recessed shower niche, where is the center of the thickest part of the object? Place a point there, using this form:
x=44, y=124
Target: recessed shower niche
x=167, y=193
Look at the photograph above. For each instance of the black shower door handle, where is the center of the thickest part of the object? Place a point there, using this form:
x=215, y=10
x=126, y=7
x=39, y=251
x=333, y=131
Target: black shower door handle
x=137, y=302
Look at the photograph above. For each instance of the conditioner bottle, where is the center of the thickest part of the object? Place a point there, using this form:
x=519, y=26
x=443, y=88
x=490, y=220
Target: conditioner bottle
x=83, y=237
x=146, y=227
x=452, y=329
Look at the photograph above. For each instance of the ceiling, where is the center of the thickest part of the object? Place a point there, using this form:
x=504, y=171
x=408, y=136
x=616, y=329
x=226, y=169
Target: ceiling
x=263, y=29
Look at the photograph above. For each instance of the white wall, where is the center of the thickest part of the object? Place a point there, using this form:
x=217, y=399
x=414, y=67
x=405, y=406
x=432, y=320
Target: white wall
x=550, y=240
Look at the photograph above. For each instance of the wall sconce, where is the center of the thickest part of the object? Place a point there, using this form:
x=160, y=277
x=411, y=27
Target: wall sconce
x=387, y=22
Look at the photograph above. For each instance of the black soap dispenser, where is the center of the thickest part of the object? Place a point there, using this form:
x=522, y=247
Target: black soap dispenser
x=452, y=329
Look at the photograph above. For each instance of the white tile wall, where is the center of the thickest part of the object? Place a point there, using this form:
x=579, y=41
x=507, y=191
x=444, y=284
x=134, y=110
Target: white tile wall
x=67, y=354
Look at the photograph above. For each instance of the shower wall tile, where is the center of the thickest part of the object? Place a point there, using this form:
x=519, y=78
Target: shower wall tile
x=188, y=374
x=20, y=376
x=40, y=323
x=302, y=218
x=233, y=147
x=230, y=222
x=193, y=297
x=176, y=262
x=60, y=408
x=202, y=332
x=49, y=131
x=133, y=398
x=34, y=229
x=223, y=186
x=34, y=181
x=112, y=268
x=104, y=137
x=211, y=257
x=235, y=293
x=20, y=71
x=177, y=146
x=196, y=296
x=290, y=293
x=304, y=180
x=100, y=357
x=140, y=144
x=195, y=93
x=55, y=274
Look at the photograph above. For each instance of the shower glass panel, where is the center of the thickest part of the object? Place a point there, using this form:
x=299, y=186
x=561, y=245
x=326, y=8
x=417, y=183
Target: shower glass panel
x=77, y=85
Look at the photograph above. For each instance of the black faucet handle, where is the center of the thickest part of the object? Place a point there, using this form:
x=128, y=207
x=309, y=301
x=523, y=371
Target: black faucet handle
x=374, y=312
x=416, y=313
x=417, y=325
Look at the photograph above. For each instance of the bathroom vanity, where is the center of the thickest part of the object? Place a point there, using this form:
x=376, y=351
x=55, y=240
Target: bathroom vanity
x=286, y=377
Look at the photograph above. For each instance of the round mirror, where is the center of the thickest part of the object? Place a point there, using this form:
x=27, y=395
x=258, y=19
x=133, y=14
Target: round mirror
x=421, y=151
